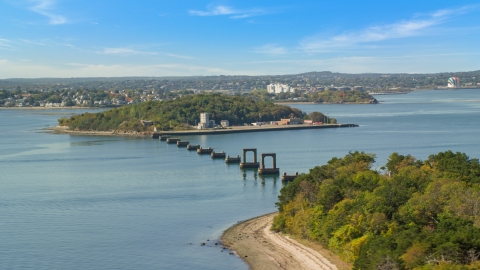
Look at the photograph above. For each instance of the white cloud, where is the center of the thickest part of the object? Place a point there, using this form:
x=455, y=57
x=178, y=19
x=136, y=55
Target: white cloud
x=179, y=56
x=225, y=11
x=33, y=42
x=125, y=51
x=5, y=44
x=418, y=63
x=406, y=28
x=45, y=7
x=271, y=49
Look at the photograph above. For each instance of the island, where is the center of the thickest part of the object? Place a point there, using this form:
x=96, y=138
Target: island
x=196, y=114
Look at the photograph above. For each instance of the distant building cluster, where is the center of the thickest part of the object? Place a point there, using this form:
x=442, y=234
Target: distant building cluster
x=279, y=88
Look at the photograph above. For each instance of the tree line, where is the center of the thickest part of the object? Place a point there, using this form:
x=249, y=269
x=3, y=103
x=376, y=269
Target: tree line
x=183, y=113
x=410, y=214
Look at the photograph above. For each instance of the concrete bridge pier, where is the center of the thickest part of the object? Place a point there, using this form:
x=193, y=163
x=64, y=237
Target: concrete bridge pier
x=244, y=163
x=274, y=169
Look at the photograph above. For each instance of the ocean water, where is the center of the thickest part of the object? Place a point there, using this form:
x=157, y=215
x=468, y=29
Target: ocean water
x=82, y=202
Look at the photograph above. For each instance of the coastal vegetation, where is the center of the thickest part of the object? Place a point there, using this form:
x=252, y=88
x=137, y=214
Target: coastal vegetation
x=410, y=214
x=341, y=96
x=328, y=96
x=182, y=113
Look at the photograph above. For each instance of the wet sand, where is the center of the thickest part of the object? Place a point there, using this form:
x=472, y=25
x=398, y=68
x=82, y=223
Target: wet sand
x=263, y=249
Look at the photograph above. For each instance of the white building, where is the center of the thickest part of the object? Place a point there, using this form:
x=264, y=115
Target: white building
x=279, y=88
x=204, y=118
x=205, y=121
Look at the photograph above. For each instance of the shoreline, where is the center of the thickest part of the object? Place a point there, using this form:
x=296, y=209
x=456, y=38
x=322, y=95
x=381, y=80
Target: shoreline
x=263, y=249
x=65, y=130
x=231, y=130
x=50, y=108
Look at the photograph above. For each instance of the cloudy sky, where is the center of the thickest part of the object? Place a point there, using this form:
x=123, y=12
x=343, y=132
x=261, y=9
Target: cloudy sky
x=106, y=38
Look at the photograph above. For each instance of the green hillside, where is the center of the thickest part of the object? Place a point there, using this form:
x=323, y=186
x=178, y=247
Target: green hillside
x=412, y=214
x=181, y=113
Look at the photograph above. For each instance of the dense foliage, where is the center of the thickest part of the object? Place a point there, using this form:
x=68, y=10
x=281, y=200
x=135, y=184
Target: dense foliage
x=327, y=96
x=412, y=215
x=340, y=96
x=177, y=114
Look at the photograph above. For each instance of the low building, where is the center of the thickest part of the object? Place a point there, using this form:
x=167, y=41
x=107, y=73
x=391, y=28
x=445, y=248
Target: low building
x=290, y=121
x=224, y=123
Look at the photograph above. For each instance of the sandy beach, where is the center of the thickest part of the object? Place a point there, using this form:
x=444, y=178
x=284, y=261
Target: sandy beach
x=263, y=249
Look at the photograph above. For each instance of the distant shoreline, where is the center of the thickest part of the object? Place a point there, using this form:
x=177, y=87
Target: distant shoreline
x=319, y=103
x=49, y=108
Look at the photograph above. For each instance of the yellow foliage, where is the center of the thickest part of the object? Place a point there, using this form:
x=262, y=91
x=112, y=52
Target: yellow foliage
x=351, y=250
x=414, y=254
x=345, y=242
x=297, y=215
x=391, y=228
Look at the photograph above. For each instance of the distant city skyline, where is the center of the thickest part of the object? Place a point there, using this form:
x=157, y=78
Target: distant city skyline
x=60, y=38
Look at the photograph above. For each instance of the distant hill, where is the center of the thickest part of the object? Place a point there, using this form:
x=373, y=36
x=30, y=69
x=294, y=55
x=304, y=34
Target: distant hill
x=246, y=83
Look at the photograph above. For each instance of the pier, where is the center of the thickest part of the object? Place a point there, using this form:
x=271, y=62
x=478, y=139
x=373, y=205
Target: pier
x=163, y=137
x=243, y=129
x=286, y=177
x=204, y=150
x=246, y=164
x=217, y=154
x=230, y=159
x=193, y=146
x=274, y=169
x=172, y=140
x=183, y=143
x=261, y=169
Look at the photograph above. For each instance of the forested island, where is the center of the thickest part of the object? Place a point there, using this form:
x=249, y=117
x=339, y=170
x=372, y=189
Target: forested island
x=183, y=114
x=411, y=214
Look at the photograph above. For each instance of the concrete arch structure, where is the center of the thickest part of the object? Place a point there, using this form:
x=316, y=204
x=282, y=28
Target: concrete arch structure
x=274, y=169
x=244, y=163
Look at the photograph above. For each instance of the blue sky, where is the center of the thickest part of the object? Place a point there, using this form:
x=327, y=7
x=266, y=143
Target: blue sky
x=106, y=38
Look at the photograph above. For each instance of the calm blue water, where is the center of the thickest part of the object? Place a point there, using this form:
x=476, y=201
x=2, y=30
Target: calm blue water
x=76, y=202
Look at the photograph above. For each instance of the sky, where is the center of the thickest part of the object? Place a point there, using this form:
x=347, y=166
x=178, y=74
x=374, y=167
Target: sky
x=106, y=38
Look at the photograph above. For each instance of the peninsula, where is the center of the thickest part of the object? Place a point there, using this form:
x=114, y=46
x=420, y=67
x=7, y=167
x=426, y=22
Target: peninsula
x=199, y=114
